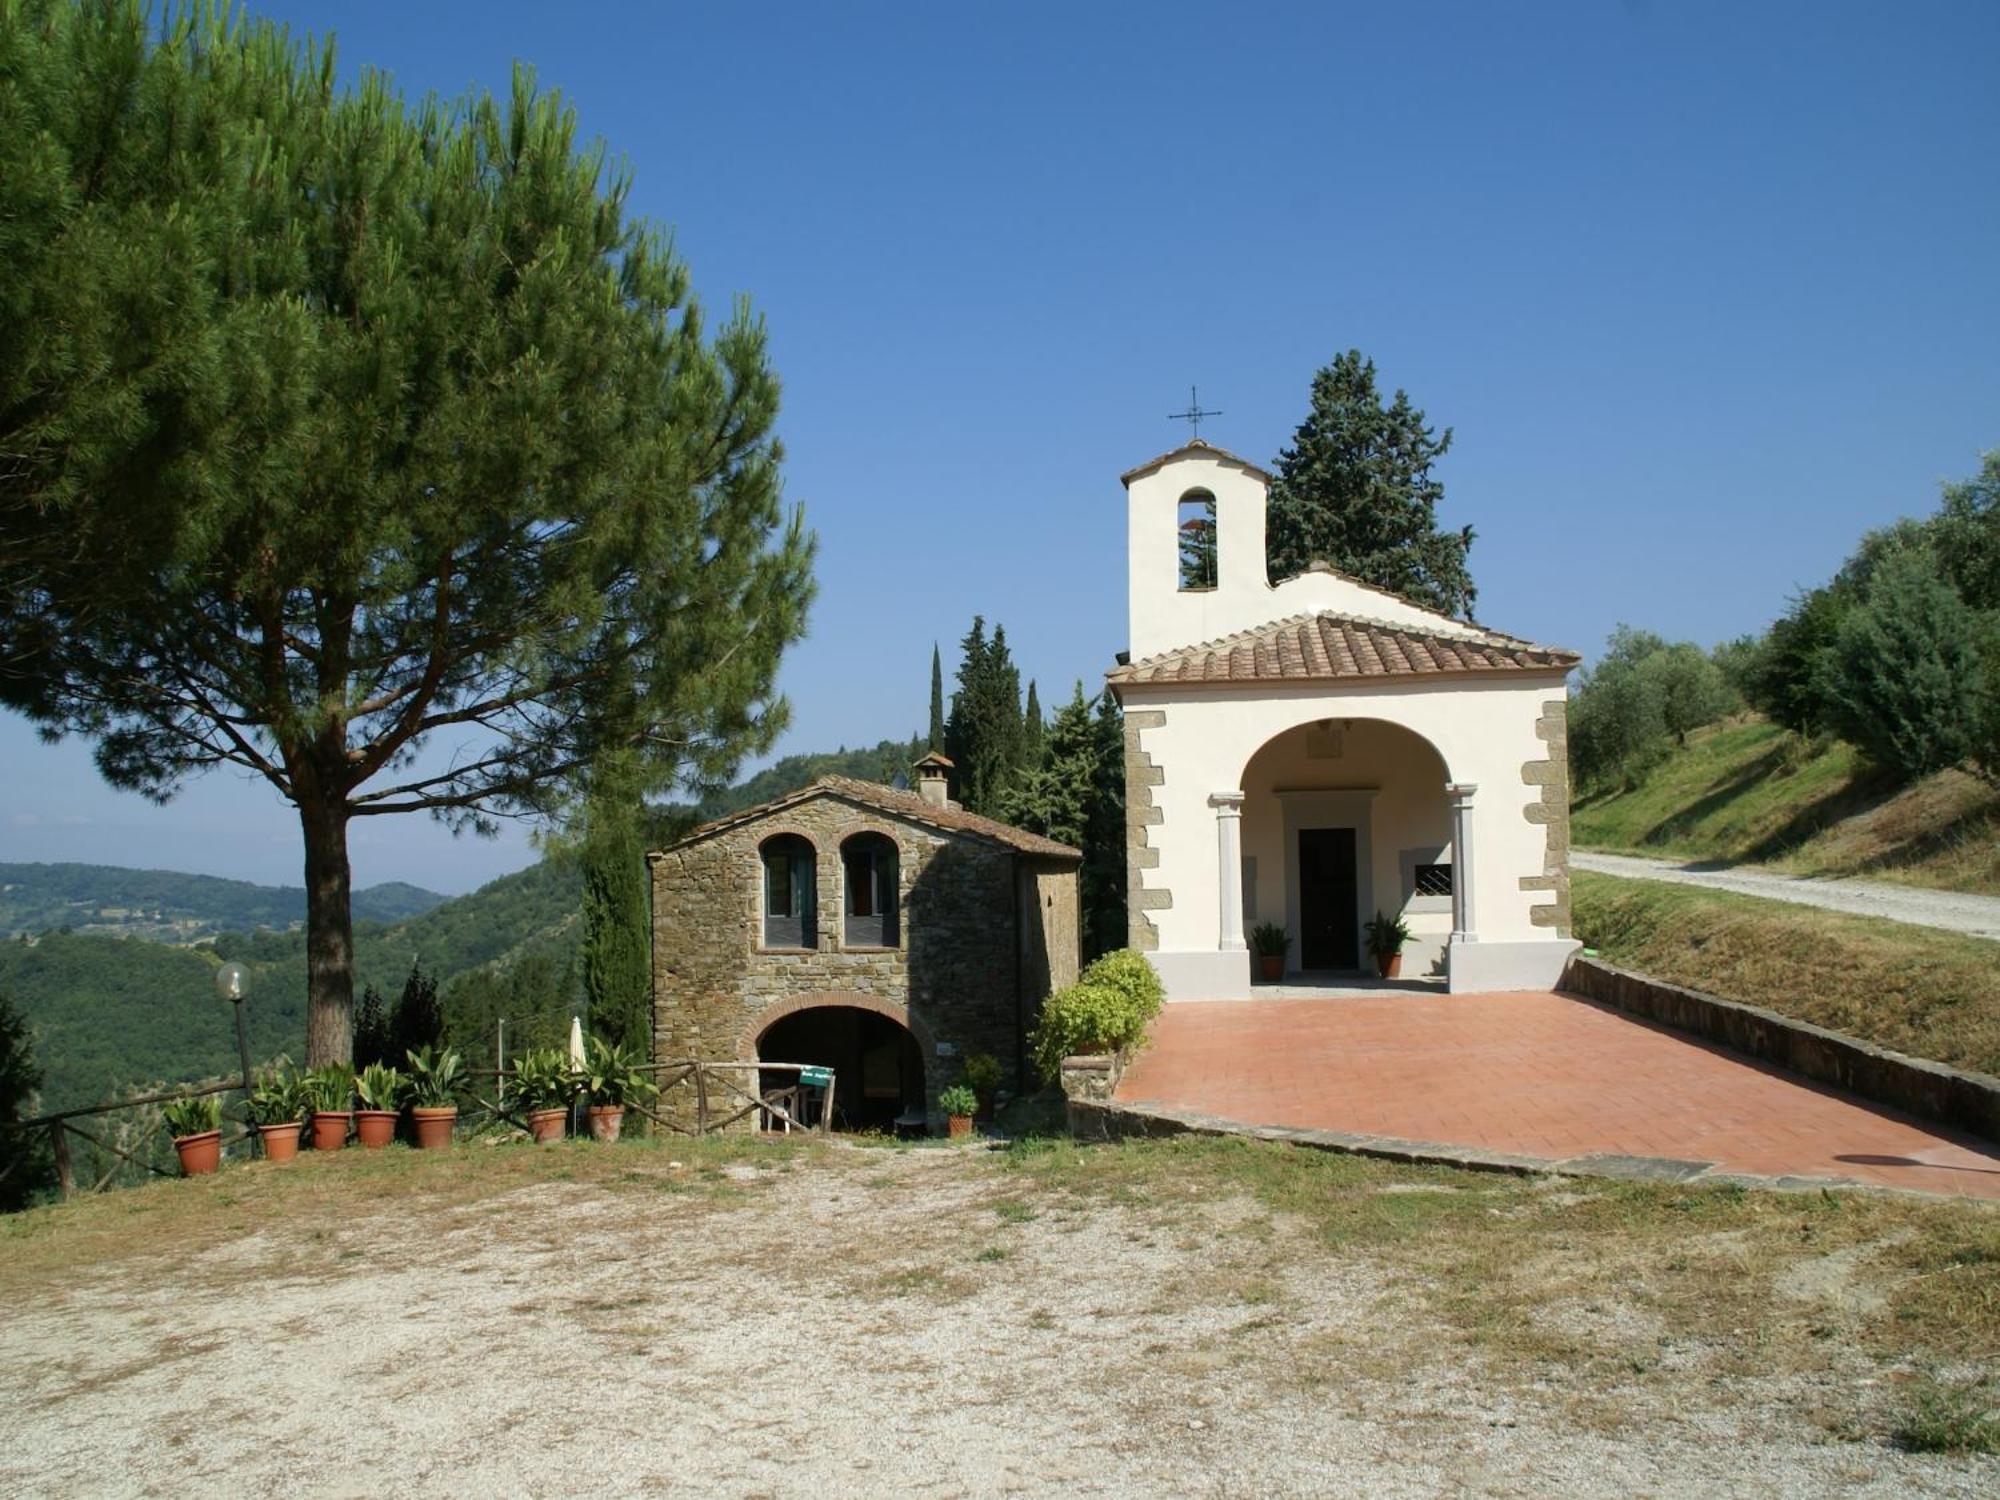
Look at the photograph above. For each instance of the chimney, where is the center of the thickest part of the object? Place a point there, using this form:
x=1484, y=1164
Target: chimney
x=934, y=779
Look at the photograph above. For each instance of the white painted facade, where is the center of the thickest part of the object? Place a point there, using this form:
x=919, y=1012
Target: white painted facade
x=1424, y=769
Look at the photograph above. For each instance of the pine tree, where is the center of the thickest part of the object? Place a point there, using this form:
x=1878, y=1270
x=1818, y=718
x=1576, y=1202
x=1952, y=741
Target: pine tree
x=1355, y=490
x=937, y=699
x=1053, y=799
x=417, y=1019
x=335, y=425
x=27, y=1166
x=374, y=1040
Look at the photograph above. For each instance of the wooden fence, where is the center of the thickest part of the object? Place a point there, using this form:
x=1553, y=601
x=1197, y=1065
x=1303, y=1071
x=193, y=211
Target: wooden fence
x=721, y=1099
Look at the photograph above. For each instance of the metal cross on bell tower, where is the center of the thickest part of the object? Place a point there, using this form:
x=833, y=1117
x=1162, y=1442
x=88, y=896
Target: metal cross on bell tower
x=1193, y=415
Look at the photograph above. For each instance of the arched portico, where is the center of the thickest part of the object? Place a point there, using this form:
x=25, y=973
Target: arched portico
x=1341, y=818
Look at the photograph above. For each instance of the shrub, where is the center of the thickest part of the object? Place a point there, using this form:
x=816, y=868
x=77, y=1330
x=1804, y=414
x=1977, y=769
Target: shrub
x=983, y=1073
x=1106, y=1010
x=1269, y=940
x=958, y=1100
x=186, y=1117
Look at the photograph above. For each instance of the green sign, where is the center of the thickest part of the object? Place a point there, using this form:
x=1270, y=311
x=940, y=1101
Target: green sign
x=816, y=1078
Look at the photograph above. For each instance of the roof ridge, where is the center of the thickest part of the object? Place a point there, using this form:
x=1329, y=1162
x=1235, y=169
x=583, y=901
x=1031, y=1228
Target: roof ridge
x=1330, y=644
x=888, y=798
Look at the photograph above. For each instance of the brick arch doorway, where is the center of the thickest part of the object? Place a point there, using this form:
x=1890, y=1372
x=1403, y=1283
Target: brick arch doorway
x=883, y=1059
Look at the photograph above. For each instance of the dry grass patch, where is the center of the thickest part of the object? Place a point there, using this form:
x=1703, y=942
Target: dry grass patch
x=1928, y=993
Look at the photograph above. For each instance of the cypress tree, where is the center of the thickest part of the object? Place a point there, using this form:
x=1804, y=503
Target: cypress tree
x=1102, y=880
x=937, y=699
x=1033, y=732
x=616, y=951
x=1355, y=490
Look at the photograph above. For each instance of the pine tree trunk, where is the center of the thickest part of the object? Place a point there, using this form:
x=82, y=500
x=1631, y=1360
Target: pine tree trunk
x=329, y=932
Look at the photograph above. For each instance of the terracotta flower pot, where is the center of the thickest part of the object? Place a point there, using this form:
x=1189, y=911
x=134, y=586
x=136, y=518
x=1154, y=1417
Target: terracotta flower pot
x=434, y=1126
x=957, y=1127
x=330, y=1128
x=200, y=1154
x=375, y=1127
x=1391, y=966
x=546, y=1125
x=281, y=1142
x=1271, y=965
x=606, y=1120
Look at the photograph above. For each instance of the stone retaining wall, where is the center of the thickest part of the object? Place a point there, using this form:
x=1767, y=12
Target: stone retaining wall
x=1950, y=1096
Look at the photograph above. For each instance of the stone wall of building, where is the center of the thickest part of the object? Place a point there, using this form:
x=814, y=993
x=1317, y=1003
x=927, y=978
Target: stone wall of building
x=956, y=976
x=1141, y=776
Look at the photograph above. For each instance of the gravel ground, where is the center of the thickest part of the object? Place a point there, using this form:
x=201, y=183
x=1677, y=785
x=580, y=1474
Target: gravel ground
x=892, y=1322
x=1953, y=911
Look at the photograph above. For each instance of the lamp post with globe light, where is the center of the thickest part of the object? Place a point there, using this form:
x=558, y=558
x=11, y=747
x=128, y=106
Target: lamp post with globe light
x=232, y=983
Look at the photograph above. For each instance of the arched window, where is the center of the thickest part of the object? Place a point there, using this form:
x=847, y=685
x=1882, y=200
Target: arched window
x=1197, y=534
x=872, y=893
x=791, y=915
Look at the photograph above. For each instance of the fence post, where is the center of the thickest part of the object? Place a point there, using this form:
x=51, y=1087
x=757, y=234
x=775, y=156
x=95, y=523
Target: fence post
x=65, y=1178
x=700, y=1100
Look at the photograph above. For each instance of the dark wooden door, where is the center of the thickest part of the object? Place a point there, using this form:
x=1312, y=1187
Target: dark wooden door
x=1329, y=926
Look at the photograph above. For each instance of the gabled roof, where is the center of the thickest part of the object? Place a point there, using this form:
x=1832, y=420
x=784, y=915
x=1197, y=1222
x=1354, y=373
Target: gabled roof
x=1327, y=647
x=906, y=805
x=1195, y=448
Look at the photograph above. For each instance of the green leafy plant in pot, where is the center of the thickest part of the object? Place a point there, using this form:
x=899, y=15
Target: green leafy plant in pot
x=1270, y=943
x=546, y=1085
x=1385, y=938
x=983, y=1074
x=329, y=1092
x=612, y=1078
x=381, y=1089
x=436, y=1074
x=959, y=1104
x=196, y=1126
x=277, y=1107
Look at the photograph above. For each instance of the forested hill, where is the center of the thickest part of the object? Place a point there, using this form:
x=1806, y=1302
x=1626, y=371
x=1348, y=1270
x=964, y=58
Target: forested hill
x=170, y=907
x=882, y=762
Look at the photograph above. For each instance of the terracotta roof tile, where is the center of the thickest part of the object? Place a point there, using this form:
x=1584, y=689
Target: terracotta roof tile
x=1326, y=647
x=907, y=805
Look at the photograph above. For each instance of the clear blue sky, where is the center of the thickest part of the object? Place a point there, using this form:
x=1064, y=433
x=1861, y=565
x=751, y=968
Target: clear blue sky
x=1704, y=290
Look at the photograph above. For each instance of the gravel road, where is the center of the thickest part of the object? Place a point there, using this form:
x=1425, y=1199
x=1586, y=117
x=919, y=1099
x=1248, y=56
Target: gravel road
x=1953, y=911
x=837, y=1330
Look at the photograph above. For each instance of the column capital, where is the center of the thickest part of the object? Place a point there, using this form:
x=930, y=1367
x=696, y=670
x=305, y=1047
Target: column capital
x=1226, y=804
x=1461, y=792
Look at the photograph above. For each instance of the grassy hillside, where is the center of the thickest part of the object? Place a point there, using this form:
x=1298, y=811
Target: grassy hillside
x=1746, y=790
x=165, y=905
x=1930, y=994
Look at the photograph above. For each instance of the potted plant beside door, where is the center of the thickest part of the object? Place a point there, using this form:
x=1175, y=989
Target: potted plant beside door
x=959, y=1104
x=1386, y=936
x=1270, y=943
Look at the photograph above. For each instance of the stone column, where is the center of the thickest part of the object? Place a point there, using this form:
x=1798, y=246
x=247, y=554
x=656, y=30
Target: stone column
x=1463, y=926
x=1229, y=868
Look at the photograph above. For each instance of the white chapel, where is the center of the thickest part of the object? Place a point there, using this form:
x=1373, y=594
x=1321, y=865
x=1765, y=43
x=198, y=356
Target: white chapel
x=1310, y=753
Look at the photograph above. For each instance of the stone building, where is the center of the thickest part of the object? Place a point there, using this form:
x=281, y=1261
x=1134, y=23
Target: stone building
x=1312, y=752
x=888, y=935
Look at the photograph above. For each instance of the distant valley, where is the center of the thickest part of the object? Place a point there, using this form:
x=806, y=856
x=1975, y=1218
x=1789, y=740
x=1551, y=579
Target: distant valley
x=166, y=906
